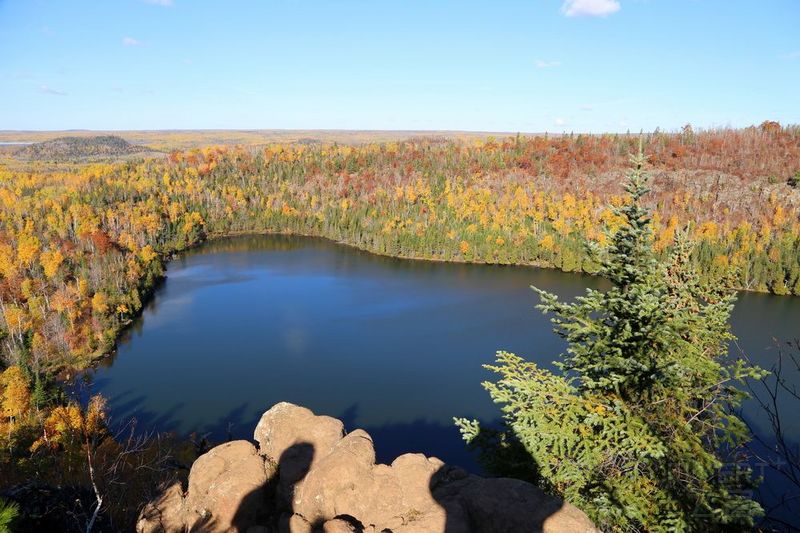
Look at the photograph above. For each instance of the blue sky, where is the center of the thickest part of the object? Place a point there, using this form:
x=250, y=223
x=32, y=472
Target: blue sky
x=489, y=65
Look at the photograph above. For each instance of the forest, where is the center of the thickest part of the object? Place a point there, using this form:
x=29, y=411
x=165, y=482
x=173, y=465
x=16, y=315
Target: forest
x=70, y=148
x=82, y=246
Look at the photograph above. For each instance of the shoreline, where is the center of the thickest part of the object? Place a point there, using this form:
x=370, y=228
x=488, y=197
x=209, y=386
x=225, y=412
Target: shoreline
x=93, y=361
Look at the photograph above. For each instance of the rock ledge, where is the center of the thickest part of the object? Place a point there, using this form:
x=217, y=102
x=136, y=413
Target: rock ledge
x=306, y=475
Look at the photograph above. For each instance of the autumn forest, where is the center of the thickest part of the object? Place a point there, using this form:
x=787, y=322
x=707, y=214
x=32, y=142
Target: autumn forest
x=83, y=244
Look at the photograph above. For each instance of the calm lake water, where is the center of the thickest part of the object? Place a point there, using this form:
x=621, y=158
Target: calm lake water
x=392, y=346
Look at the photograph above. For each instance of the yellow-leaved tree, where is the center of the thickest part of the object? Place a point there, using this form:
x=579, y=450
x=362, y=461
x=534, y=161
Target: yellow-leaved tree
x=14, y=393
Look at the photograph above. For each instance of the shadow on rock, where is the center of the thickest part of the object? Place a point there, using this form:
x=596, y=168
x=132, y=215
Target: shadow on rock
x=496, y=505
x=324, y=480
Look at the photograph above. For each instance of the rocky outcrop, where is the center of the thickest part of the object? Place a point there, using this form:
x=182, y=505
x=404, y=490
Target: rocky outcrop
x=307, y=475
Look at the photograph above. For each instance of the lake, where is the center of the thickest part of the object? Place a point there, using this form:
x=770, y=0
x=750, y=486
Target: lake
x=392, y=346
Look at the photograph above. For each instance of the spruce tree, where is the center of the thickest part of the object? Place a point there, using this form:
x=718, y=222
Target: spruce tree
x=638, y=428
x=9, y=511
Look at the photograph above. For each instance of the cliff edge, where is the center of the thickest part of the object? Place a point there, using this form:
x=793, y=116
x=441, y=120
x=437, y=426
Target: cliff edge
x=306, y=475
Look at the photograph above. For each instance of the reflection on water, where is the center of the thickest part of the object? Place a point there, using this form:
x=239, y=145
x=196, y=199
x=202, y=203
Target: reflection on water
x=393, y=346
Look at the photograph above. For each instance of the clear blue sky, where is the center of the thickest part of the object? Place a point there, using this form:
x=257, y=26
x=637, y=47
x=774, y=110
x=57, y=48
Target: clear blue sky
x=498, y=65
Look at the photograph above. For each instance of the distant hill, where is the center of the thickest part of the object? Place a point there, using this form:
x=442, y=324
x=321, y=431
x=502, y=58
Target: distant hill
x=66, y=148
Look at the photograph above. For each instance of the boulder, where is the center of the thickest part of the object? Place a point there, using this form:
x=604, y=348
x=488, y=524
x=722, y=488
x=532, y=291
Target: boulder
x=345, y=482
x=297, y=439
x=166, y=513
x=286, y=425
x=227, y=488
x=227, y=492
x=488, y=502
x=326, y=481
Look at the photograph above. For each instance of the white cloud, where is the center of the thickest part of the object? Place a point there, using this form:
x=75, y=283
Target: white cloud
x=541, y=63
x=44, y=89
x=792, y=55
x=589, y=8
x=163, y=3
x=586, y=107
x=130, y=41
x=559, y=122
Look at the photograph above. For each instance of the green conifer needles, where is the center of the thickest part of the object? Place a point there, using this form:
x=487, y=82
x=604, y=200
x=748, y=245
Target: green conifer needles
x=639, y=429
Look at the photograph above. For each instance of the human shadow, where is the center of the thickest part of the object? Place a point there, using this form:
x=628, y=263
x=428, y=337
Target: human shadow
x=292, y=467
x=495, y=504
x=271, y=505
x=469, y=503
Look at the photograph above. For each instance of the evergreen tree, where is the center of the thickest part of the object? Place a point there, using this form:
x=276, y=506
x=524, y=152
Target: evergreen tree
x=637, y=430
x=9, y=511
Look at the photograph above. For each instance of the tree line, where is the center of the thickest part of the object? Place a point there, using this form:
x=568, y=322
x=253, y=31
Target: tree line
x=82, y=247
